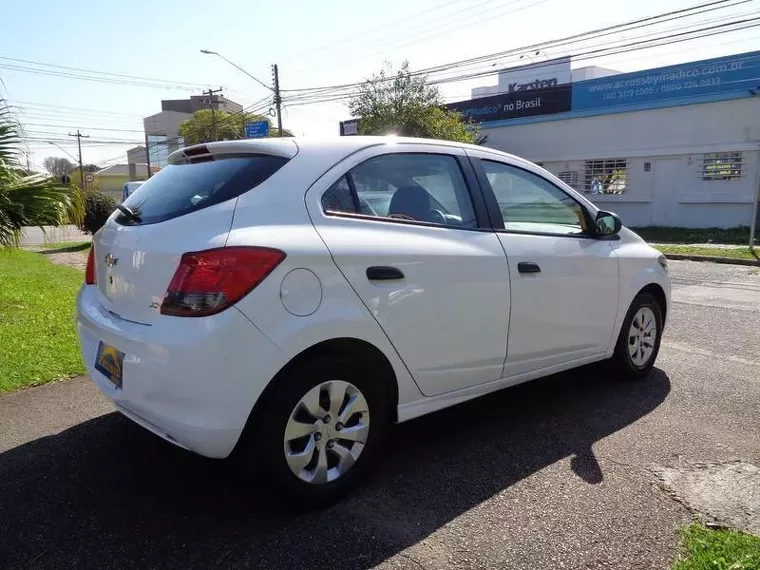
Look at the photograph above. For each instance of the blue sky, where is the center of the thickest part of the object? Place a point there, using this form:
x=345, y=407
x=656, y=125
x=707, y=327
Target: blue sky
x=314, y=43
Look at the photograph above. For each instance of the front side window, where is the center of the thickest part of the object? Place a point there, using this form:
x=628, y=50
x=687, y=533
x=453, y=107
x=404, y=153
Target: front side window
x=428, y=188
x=531, y=203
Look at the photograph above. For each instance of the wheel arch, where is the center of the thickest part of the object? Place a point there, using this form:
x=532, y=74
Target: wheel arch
x=645, y=283
x=345, y=346
x=656, y=290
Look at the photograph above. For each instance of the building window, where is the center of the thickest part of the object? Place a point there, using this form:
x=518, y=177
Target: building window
x=606, y=176
x=647, y=167
x=722, y=166
x=569, y=177
x=161, y=146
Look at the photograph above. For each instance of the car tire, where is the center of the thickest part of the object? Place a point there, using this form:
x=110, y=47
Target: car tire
x=266, y=449
x=639, y=341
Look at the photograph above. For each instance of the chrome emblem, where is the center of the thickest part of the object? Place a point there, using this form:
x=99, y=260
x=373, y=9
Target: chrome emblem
x=111, y=259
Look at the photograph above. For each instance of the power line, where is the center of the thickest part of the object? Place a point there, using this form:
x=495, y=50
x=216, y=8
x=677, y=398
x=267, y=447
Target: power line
x=344, y=92
x=592, y=54
x=188, y=84
x=85, y=127
x=623, y=39
x=253, y=108
x=60, y=116
x=568, y=40
x=87, y=110
x=81, y=77
x=461, y=23
x=401, y=31
x=363, y=36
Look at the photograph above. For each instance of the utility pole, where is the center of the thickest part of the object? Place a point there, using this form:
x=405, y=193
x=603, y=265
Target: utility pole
x=79, y=137
x=212, y=105
x=277, y=98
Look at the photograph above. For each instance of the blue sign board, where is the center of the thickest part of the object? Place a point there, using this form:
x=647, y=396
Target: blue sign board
x=257, y=129
x=710, y=76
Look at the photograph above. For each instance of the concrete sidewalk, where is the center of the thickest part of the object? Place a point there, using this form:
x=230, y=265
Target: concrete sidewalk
x=31, y=236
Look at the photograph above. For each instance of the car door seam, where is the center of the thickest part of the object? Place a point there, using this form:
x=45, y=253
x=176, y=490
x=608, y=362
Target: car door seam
x=509, y=314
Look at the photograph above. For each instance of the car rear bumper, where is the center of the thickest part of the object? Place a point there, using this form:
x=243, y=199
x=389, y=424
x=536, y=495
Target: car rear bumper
x=192, y=381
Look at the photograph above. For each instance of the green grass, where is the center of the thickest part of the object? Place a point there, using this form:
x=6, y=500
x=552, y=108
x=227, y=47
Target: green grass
x=67, y=246
x=705, y=549
x=733, y=253
x=37, y=334
x=734, y=236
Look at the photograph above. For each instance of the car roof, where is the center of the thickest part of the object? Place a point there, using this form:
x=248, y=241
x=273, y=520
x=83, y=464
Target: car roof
x=290, y=146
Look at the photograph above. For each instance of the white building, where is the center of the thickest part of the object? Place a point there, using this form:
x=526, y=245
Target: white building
x=674, y=146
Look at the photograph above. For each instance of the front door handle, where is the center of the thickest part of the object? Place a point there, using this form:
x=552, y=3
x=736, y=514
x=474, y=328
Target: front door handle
x=383, y=273
x=528, y=267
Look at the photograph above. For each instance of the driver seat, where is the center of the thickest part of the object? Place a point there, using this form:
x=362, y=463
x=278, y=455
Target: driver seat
x=412, y=201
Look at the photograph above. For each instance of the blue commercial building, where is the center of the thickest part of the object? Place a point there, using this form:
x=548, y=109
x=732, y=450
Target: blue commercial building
x=671, y=146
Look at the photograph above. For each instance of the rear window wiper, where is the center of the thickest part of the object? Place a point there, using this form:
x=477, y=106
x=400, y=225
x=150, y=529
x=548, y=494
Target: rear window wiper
x=131, y=215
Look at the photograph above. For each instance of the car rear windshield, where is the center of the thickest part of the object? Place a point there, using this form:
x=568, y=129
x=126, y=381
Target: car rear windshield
x=179, y=189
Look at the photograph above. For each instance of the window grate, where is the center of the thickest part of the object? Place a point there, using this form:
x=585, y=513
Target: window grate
x=569, y=177
x=722, y=166
x=606, y=176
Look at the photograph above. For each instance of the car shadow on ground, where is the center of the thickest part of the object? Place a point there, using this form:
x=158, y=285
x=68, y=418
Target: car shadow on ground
x=107, y=494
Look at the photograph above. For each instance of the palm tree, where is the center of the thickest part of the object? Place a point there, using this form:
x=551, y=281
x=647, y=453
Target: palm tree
x=28, y=199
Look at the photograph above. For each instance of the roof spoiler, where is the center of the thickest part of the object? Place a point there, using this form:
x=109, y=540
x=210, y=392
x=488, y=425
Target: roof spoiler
x=284, y=147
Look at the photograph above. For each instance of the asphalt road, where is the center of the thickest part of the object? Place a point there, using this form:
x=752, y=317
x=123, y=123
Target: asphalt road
x=558, y=473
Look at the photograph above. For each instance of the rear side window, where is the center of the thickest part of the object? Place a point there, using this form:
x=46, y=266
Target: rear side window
x=179, y=189
x=416, y=187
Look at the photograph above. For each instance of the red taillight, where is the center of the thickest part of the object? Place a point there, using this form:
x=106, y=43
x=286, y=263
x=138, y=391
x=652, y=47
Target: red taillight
x=207, y=282
x=89, y=272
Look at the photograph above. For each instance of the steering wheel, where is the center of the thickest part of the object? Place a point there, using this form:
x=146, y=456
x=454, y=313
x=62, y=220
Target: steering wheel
x=438, y=217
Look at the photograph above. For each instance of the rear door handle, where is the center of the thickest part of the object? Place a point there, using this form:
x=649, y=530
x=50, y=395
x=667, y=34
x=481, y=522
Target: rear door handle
x=528, y=267
x=383, y=273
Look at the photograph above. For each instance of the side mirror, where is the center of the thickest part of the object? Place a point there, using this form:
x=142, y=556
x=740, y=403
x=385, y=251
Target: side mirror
x=607, y=224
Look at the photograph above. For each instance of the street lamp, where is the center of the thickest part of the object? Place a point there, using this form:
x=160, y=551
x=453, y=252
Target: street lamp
x=64, y=150
x=209, y=52
x=275, y=89
x=81, y=173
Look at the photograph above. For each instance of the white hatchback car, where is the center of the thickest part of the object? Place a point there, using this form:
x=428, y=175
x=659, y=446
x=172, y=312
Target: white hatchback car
x=289, y=299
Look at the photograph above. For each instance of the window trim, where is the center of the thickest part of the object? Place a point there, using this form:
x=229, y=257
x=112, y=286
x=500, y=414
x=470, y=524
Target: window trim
x=495, y=211
x=477, y=200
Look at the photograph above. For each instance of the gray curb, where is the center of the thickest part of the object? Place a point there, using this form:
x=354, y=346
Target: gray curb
x=727, y=260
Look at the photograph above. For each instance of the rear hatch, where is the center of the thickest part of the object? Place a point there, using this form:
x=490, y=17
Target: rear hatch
x=188, y=206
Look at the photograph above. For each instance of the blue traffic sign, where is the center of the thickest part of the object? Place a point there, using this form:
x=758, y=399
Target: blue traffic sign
x=257, y=129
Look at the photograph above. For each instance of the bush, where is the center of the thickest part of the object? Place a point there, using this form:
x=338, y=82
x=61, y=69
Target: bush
x=97, y=207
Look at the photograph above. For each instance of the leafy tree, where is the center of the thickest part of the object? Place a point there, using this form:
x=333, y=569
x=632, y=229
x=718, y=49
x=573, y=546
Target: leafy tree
x=29, y=199
x=404, y=104
x=58, y=166
x=229, y=126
